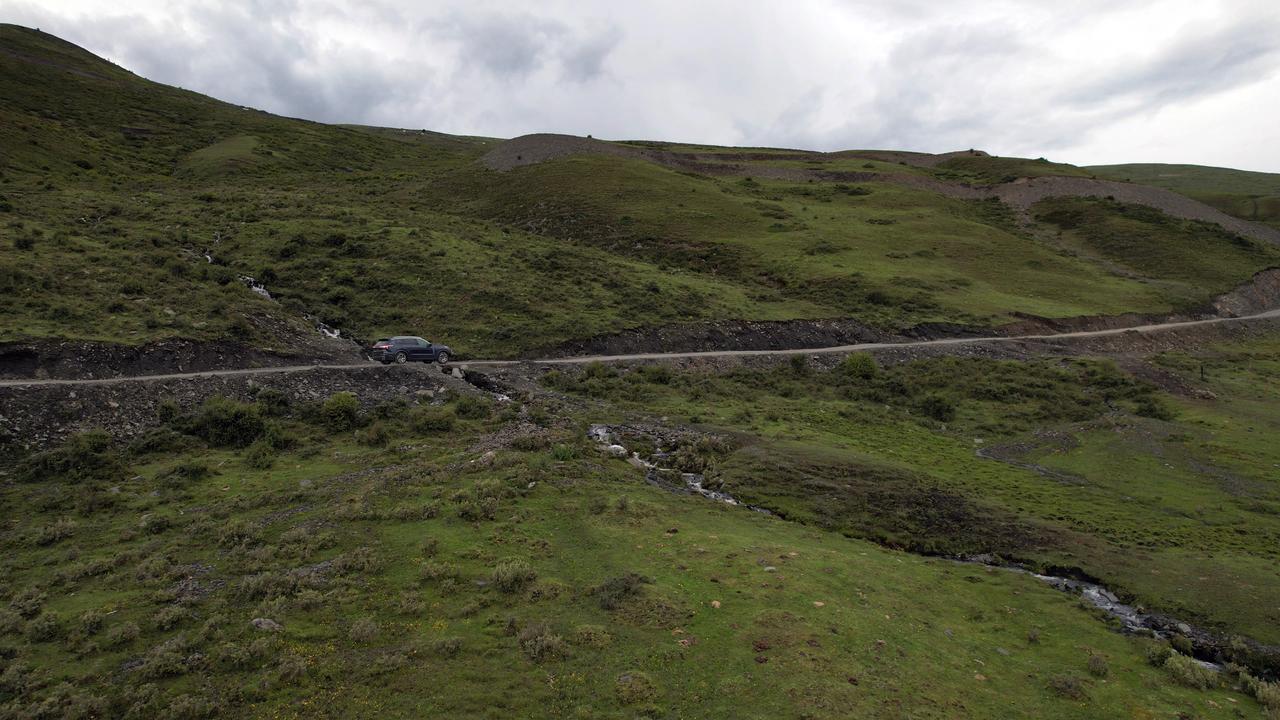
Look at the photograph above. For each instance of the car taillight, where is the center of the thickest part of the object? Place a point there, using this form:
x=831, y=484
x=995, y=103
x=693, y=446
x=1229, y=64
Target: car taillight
x=382, y=346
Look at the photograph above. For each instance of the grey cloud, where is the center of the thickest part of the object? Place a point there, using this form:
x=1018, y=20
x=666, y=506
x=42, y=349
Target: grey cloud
x=514, y=45
x=824, y=74
x=585, y=60
x=1201, y=64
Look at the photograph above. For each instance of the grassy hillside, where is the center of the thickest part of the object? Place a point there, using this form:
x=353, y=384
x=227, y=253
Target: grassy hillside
x=1244, y=194
x=132, y=211
x=473, y=559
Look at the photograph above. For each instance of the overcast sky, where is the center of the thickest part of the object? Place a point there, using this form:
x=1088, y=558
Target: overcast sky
x=1081, y=81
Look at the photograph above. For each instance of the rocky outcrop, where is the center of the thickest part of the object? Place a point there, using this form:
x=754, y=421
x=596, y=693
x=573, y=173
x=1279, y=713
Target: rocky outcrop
x=36, y=417
x=81, y=359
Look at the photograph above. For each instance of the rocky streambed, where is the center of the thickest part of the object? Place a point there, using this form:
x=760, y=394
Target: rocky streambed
x=667, y=478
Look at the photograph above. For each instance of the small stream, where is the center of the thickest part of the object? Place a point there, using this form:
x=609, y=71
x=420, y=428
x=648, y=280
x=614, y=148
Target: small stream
x=1131, y=619
x=662, y=477
x=256, y=286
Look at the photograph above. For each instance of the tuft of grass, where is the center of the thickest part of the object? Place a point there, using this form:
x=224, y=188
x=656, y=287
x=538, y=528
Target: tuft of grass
x=512, y=575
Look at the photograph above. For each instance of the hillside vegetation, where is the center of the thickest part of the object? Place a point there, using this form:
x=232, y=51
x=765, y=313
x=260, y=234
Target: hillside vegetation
x=134, y=212
x=473, y=558
x=1244, y=194
x=533, y=540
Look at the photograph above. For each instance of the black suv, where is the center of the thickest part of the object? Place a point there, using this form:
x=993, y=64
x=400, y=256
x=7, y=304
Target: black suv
x=404, y=348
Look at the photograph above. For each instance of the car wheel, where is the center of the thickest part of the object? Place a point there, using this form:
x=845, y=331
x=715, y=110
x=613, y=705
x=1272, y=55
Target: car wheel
x=442, y=358
x=401, y=358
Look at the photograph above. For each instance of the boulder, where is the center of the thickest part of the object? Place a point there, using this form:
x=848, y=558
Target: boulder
x=266, y=625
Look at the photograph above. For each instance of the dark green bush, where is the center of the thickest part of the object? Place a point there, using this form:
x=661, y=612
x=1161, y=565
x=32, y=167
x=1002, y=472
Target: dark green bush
x=223, y=422
x=614, y=592
x=472, y=407
x=1153, y=407
x=341, y=411
x=939, y=408
x=430, y=419
x=83, y=457
x=858, y=366
x=260, y=456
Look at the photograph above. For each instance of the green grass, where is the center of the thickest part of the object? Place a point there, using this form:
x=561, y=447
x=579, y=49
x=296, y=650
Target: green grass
x=738, y=614
x=874, y=457
x=1150, y=244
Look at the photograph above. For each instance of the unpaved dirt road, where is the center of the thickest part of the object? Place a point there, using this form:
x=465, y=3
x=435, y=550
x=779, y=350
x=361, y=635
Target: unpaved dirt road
x=1154, y=328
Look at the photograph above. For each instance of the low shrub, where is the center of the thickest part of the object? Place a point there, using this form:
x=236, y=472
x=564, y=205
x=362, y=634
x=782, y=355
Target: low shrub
x=184, y=473
x=591, y=636
x=1068, y=686
x=90, y=622
x=171, y=617
x=1189, y=673
x=530, y=443
x=512, y=575
x=429, y=420
x=1153, y=407
x=437, y=571
x=472, y=407
x=1098, y=666
x=376, y=435
x=260, y=456
x=614, y=592
x=1266, y=693
x=359, y=561
x=223, y=422
x=291, y=668
x=162, y=440
x=54, y=532
x=340, y=412
x=539, y=644
x=363, y=630
x=634, y=687
x=447, y=647
x=1158, y=653
x=938, y=408
x=83, y=457
x=121, y=634
x=857, y=366
x=45, y=627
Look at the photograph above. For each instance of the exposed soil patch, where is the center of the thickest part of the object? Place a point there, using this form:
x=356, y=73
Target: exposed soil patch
x=722, y=335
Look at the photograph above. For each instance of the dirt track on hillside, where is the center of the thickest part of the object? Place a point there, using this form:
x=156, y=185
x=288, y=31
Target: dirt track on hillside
x=1020, y=194
x=960, y=342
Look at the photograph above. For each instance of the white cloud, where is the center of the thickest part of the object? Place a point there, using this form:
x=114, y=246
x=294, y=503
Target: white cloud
x=1087, y=81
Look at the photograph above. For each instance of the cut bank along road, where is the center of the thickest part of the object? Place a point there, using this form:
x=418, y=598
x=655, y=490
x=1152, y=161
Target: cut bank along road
x=860, y=347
